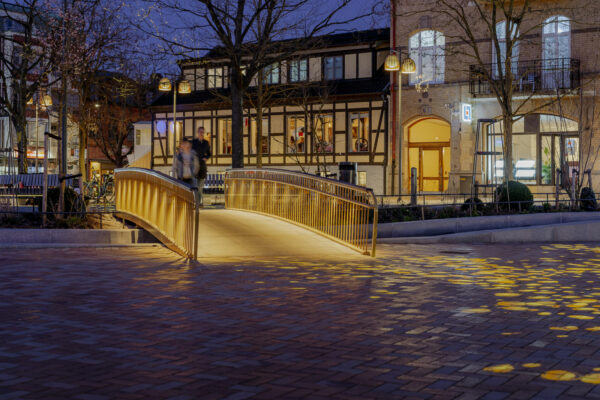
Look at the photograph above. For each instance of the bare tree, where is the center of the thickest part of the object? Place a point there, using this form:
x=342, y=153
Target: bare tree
x=120, y=101
x=103, y=45
x=26, y=65
x=578, y=150
x=232, y=26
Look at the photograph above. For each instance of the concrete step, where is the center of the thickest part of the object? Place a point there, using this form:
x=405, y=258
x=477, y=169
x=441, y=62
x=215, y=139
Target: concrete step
x=75, y=236
x=436, y=227
x=583, y=231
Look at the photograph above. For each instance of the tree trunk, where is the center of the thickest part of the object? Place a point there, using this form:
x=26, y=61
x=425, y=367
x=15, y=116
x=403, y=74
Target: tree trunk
x=259, y=117
x=507, y=147
x=21, y=147
x=237, y=113
x=83, y=137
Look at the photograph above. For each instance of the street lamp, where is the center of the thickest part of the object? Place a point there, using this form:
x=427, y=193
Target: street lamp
x=45, y=101
x=408, y=66
x=183, y=87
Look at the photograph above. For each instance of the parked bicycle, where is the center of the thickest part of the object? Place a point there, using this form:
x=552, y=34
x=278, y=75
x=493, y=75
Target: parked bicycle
x=100, y=189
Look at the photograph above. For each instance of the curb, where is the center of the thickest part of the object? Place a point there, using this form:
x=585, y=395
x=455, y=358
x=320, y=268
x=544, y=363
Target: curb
x=73, y=245
x=437, y=227
x=586, y=231
x=71, y=237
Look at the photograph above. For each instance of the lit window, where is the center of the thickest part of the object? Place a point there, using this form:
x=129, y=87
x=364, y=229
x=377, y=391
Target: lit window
x=271, y=74
x=359, y=132
x=556, y=53
x=547, y=145
x=265, y=135
x=214, y=78
x=225, y=135
x=501, y=35
x=427, y=51
x=298, y=70
x=323, y=137
x=296, y=134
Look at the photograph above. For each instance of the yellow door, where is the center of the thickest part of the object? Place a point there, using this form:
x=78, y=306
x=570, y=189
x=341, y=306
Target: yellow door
x=431, y=180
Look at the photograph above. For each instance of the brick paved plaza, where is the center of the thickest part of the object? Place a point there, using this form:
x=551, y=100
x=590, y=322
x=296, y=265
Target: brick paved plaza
x=436, y=322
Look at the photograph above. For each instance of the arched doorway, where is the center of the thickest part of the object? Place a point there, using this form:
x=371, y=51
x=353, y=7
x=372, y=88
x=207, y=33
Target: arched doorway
x=429, y=153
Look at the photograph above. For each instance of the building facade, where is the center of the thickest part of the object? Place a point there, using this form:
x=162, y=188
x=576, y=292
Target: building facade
x=449, y=112
x=325, y=106
x=40, y=119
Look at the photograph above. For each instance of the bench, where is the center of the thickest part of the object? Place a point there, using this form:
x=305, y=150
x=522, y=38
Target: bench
x=28, y=184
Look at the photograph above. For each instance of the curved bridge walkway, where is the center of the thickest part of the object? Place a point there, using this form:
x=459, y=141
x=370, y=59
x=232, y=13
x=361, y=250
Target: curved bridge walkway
x=282, y=213
x=231, y=233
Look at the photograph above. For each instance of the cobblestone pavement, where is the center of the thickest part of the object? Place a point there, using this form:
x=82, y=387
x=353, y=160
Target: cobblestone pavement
x=437, y=322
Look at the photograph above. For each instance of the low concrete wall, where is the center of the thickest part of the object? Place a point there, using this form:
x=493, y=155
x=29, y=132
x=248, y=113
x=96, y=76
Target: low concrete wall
x=434, y=227
x=74, y=236
x=586, y=231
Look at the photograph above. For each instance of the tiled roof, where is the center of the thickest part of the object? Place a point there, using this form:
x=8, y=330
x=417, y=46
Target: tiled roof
x=324, y=41
x=335, y=88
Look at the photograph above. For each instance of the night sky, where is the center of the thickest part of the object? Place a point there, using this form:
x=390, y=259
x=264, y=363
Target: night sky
x=154, y=57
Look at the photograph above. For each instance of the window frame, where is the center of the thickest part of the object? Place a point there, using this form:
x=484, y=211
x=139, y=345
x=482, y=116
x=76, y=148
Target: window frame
x=560, y=134
x=334, y=68
x=268, y=74
x=210, y=75
x=288, y=147
x=502, y=42
x=319, y=125
x=220, y=142
x=417, y=54
x=360, y=116
x=299, y=69
x=549, y=65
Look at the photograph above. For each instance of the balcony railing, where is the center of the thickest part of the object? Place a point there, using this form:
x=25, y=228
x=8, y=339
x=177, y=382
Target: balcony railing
x=534, y=76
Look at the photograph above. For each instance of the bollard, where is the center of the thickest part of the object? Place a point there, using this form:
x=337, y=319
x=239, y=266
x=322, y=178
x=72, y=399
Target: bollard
x=557, y=187
x=196, y=221
x=574, y=194
x=413, y=186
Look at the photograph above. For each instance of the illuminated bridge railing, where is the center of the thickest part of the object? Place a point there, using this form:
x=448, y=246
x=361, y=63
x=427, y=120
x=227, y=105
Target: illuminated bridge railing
x=162, y=205
x=331, y=208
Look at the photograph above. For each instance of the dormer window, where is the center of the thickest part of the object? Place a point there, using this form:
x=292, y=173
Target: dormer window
x=271, y=74
x=298, y=70
x=333, y=68
x=215, y=77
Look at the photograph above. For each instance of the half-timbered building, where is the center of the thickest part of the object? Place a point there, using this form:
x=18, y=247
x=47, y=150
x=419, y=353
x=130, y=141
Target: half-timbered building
x=323, y=106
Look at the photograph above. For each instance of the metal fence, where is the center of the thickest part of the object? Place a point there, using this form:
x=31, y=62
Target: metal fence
x=334, y=209
x=437, y=206
x=160, y=204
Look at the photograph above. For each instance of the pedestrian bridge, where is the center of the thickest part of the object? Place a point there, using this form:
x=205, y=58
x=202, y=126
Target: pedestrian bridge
x=267, y=213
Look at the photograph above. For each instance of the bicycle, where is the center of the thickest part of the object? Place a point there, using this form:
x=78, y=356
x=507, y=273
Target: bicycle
x=100, y=190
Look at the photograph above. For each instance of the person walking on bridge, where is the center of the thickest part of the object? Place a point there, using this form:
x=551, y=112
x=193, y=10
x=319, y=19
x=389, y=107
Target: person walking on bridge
x=186, y=164
x=201, y=147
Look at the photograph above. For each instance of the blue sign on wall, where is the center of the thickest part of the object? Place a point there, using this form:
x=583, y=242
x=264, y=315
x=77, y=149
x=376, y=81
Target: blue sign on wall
x=466, y=113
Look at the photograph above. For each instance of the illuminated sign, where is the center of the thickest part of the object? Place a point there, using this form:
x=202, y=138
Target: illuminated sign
x=32, y=154
x=466, y=113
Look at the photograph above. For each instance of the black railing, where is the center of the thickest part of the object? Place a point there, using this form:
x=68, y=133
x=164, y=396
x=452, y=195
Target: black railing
x=533, y=76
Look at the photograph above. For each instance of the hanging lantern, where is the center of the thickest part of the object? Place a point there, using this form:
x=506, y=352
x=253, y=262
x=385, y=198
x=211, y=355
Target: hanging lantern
x=164, y=85
x=184, y=87
x=409, y=66
x=392, y=63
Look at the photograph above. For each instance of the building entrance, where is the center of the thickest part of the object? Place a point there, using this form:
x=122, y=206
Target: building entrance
x=429, y=153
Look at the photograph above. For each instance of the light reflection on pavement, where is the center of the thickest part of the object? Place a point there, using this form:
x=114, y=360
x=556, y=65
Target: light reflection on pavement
x=419, y=321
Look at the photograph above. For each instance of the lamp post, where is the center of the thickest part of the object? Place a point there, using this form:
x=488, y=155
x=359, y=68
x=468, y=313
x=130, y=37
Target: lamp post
x=45, y=101
x=183, y=87
x=392, y=63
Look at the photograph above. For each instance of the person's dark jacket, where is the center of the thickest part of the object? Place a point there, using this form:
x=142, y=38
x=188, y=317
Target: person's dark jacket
x=202, y=149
